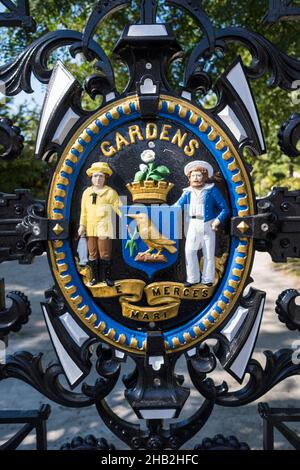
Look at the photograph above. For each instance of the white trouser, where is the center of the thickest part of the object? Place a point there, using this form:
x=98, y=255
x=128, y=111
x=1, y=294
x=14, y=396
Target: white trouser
x=200, y=235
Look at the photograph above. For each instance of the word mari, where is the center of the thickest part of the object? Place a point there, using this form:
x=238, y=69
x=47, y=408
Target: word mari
x=151, y=132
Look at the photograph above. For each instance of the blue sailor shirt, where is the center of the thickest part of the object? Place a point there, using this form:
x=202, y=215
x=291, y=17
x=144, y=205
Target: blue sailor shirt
x=215, y=206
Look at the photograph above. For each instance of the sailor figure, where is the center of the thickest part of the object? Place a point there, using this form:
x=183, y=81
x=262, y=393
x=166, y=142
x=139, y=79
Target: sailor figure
x=205, y=208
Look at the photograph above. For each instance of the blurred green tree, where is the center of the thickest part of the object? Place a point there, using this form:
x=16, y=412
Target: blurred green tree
x=274, y=105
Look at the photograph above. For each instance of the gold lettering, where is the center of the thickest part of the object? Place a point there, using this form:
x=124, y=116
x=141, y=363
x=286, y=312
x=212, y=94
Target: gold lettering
x=205, y=293
x=167, y=290
x=107, y=149
x=134, y=131
x=151, y=131
x=156, y=316
x=119, y=289
x=135, y=314
x=156, y=291
x=195, y=293
x=176, y=291
x=178, y=138
x=160, y=315
x=121, y=141
x=164, y=135
x=189, y=149
x=186, y=292
x=146, y=316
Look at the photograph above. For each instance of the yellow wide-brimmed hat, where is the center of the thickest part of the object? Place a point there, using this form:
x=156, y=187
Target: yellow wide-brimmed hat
x=99, y=167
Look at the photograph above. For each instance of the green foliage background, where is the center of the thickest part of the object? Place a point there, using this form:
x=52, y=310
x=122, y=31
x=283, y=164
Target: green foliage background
x=274, y=105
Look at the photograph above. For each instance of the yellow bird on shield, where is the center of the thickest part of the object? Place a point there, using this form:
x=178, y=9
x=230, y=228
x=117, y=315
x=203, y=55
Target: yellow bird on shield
x=152, y=237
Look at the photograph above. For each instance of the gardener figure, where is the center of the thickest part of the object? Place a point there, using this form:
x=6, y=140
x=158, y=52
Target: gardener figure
x=96, y=223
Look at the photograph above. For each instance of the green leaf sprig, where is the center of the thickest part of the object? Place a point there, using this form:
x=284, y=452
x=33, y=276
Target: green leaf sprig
x=131, y=244
x=152, y=172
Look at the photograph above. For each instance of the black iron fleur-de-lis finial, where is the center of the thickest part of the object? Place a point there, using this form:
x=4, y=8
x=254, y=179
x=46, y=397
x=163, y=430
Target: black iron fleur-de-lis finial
x=148, y=11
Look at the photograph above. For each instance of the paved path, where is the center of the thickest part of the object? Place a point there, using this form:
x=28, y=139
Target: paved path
x=65, y=423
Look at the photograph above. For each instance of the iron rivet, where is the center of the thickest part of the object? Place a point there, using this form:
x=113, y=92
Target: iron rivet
x=36, y=230
x=285, y=206
x=264, y=227
x=285, y=242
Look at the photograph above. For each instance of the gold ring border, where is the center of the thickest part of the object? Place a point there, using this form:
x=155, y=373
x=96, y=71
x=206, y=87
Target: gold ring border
x=217, y=135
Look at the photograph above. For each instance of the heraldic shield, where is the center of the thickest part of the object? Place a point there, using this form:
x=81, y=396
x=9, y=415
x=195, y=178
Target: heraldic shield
x=150, y=236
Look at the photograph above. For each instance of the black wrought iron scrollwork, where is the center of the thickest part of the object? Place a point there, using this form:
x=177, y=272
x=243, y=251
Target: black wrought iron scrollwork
x=17, y=15
x=13, y=209
x=30, y=229
x=288, y=310
x=108, y=367
x=278, y=367
x=100, y=12
x=198, y=80
x=16, y=75
x=289, y=136
x=204, y=361
x=29, y=368
x=194, y=8
x=281, y=10
x=11, y=140
x=99, y=84
x=266, y=58
x=15, y=316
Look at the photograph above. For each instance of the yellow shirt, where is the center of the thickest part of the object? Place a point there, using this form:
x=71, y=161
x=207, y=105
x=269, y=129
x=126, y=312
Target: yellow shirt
x=97, y=218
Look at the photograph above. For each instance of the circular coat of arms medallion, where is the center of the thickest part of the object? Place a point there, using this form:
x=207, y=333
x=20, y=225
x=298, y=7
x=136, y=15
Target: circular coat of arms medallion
x=148, y=205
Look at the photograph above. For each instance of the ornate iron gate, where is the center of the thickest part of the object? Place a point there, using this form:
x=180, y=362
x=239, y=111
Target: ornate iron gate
x=145, y=293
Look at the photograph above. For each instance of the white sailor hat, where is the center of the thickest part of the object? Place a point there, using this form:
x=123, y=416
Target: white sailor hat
x=196, y=164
